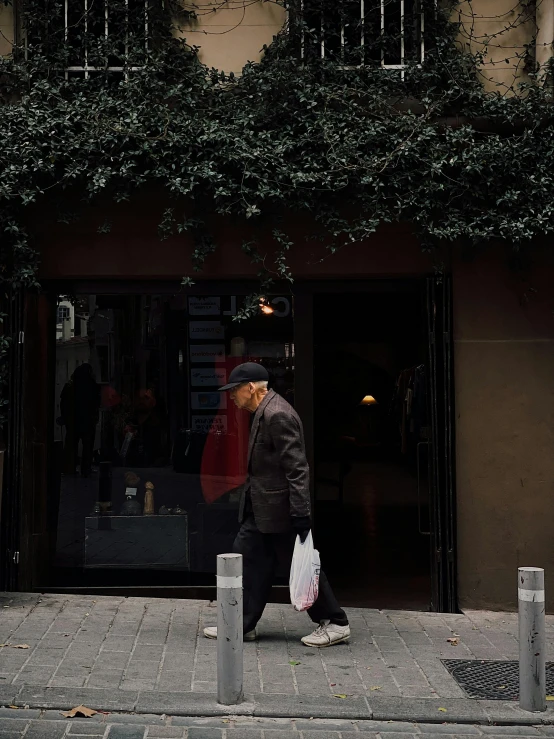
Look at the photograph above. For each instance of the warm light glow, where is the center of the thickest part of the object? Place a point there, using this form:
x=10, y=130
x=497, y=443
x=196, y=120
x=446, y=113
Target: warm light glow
x=265, y=308
x=368, y=400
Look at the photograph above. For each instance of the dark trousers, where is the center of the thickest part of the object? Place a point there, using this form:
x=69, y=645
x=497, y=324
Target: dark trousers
x=267, y=555
x=71, y=449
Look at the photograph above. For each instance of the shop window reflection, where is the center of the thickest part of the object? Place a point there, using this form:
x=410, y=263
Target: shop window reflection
x=154, y=457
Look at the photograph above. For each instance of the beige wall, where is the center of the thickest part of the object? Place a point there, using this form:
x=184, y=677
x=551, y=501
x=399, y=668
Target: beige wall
x=499, y=30
x=504, y=386
x=232, y=33
x=6, y=28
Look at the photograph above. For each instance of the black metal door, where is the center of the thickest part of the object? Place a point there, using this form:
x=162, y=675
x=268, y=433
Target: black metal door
x=12, y=305
x=441, y=458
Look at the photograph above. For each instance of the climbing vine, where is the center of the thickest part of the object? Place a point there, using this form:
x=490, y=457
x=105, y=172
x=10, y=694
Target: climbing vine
x=95, y=108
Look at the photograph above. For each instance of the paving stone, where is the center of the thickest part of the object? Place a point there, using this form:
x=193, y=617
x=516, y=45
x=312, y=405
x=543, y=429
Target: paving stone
x=88, y=728
x=20, y=714
x=46, y=729
x=122, y=731
x=214, y=722
x=137, y=684
x=323, y=725
x=511, y=730
x=201, y=733
x=10, y=724
x=67, y=682
x=104, y=678
x=112, y=660
x=133, y=718
x=320, y=735
x=166, y=732
x=442, y=728
x=243, y=734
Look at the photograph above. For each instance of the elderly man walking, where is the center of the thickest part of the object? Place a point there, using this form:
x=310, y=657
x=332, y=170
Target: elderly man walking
x=275, y=506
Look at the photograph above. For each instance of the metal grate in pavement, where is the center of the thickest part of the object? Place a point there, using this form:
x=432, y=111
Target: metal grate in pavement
x=491, y=679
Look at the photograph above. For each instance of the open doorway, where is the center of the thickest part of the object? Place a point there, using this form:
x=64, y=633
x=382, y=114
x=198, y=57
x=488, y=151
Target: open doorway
x=371, y=431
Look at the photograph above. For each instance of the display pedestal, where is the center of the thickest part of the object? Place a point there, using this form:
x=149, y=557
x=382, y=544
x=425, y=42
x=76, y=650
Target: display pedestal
x=137, y=542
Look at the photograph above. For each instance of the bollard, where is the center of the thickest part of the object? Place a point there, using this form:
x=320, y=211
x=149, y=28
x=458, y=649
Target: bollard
x=229, y=629
x=532, y=643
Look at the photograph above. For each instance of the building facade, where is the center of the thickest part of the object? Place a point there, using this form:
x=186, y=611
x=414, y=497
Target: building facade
x=426, y=400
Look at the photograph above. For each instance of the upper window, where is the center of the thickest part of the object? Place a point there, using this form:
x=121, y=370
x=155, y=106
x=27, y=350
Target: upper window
x=387, y=33
x=63, y=313
x=105, y=35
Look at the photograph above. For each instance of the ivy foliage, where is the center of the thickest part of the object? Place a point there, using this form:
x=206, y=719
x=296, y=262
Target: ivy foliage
x=343, y=144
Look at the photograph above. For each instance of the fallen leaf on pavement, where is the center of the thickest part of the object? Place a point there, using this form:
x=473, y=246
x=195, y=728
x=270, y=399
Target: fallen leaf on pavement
x=454, y=641
x=376, y=687
x=79, y=711
x=293, y=662
x=18, y=646
x=16, y=708
x=443, y=710
x=502, y=687
x=550, y=697
x=339, y=695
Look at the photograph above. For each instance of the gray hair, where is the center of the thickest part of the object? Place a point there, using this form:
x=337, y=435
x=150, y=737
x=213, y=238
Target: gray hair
x=260, y=384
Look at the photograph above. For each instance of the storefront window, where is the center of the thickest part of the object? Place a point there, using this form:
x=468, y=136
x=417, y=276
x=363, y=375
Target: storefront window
x=153, y=457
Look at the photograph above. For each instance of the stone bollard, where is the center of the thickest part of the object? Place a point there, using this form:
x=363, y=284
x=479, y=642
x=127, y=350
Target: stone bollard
x=229, y=629
x=532, y=642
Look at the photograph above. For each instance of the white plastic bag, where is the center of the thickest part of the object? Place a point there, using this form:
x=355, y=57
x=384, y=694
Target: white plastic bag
x=304, y=574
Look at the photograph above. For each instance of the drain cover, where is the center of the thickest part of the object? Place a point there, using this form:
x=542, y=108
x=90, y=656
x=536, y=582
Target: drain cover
x=491, y=680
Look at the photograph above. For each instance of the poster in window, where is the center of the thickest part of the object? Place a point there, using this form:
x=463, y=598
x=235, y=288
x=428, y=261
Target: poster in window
x=206, y=331
x=208, y=401
x=209, y=424
x=208, y=377
x=204, y=306
x=207, y=353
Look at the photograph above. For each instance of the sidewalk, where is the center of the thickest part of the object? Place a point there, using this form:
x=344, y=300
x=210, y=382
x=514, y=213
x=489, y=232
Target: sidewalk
x=147, y=655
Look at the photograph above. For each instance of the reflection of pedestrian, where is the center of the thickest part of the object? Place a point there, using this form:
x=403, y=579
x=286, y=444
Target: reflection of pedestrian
x=79, y=407
x=147, y=424
x=275, y=505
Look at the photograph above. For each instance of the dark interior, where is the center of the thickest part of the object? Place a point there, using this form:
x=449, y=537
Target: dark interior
x=369, y=522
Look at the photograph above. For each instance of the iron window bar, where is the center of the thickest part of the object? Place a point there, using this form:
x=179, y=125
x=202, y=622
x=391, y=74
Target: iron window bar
x=399, y=64
x=86, y=69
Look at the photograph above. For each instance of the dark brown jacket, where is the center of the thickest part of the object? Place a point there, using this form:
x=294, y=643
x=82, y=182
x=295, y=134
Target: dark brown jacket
x=278, y=473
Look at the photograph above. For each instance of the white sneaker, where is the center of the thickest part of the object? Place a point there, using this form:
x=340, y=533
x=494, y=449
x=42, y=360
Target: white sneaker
x=210, y=632
x=326, y=635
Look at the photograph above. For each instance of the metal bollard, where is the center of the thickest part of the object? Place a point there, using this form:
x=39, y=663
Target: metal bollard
x=229, y=629
x=532, y=642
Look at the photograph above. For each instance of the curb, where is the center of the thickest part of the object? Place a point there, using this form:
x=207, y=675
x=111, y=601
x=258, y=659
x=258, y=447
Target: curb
x=263, y=705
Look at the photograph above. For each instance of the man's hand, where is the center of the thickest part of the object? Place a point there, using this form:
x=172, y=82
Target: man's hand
x=301, y=525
